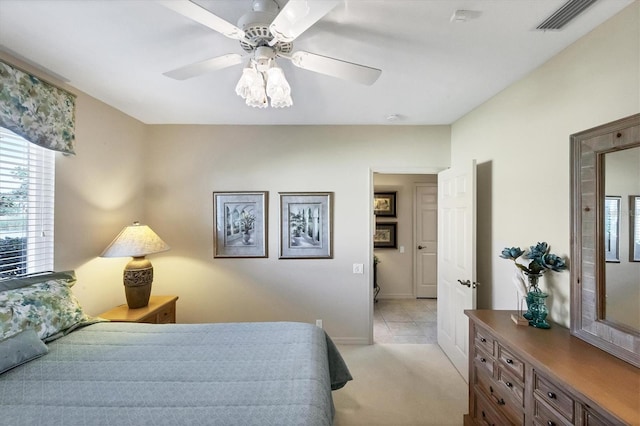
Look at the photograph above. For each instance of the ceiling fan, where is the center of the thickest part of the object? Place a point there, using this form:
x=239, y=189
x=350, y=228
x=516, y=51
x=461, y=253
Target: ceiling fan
x=266, y=33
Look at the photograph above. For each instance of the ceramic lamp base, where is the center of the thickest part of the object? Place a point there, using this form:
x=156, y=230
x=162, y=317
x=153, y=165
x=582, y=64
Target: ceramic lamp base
x=138, y=277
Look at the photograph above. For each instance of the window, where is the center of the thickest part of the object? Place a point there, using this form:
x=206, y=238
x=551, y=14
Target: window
x=26, y=206
x=634, y=202
x=611, y=228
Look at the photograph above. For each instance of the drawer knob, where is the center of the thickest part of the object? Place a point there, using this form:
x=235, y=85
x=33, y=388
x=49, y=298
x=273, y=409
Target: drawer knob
x=499, y=401
x=509, y=361
x=509, y=384
x=550, y=423
x=483, y=360
x=483, y=340
x=551, y=395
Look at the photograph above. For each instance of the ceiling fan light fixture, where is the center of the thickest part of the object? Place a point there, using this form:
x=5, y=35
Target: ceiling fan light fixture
x=257, y=97
x=251, y=87
x=278, y=88
x=247, y=80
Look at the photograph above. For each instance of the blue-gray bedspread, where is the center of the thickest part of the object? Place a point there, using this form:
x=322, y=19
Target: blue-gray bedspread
x=278, y=373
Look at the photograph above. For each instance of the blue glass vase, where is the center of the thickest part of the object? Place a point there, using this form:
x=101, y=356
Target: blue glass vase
x=538, y=310
x=532, y=280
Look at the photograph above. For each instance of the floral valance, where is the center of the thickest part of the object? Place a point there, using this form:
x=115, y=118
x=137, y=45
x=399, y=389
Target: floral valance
x=36, y=110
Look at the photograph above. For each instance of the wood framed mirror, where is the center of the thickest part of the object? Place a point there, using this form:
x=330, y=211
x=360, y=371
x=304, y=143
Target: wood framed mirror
x=605, y=296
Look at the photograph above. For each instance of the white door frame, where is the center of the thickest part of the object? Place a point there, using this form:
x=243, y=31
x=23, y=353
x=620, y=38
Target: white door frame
x=372, y=220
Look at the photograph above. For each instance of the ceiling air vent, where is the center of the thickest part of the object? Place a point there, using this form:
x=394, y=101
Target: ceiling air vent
x=565, y=14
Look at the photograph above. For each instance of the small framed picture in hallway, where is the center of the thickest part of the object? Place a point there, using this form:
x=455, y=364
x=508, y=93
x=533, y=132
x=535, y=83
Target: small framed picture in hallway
x=384, y=204
x=385, y=236
x=305, y=225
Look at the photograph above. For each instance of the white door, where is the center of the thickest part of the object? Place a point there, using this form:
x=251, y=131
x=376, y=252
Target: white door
x=456, y=262
x=426, y=241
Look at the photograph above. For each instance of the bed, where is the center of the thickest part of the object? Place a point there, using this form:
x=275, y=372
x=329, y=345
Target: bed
x=91, y=372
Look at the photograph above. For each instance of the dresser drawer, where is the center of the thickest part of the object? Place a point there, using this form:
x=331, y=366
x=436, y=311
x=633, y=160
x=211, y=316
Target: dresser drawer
x=590, y=419
x=512, y=363
x=166, y=315
x=483, y=340
x=500, y=398
x=514, y=386
x=544, y=416
x=484, y=413
x=548, y=392
x=483, y=361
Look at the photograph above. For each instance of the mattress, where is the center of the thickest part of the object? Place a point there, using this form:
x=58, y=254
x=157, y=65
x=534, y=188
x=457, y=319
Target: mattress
x=278, y=373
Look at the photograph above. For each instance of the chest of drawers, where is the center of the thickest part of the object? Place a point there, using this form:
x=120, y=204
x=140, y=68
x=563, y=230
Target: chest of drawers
x=522, y=375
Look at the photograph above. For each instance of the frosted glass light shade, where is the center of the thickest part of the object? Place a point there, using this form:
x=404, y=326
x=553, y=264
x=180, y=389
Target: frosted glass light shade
x=136, y=241
x=248, y=79
x=257, y=97
x=278, y=88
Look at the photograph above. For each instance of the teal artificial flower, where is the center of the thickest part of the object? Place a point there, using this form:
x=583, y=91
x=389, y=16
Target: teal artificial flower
x=555, y=263
x=541, y=259
x=512, y=253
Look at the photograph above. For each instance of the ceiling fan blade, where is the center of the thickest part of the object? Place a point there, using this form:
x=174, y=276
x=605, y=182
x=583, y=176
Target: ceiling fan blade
x=335, y=67
x=297, y=16
x=204, y=67
x=203, y=16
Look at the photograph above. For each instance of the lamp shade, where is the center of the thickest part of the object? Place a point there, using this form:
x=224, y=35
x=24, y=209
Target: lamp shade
x=136, y=241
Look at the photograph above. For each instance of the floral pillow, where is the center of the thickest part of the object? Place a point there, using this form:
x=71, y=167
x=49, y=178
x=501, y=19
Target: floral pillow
x=48, y=307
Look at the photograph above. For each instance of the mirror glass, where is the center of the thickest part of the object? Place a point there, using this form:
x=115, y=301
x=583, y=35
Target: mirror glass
x=622, y=271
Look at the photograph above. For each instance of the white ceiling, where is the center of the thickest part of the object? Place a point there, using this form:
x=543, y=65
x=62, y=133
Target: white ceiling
x=433, y=71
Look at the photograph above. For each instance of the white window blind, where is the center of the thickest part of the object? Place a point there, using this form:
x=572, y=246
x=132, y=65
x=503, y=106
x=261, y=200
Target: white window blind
x=27, y=174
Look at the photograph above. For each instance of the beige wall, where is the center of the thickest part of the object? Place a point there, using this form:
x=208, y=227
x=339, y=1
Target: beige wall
x=520, y=139
x=98, y=192
x=186, y=164
x=396, y=272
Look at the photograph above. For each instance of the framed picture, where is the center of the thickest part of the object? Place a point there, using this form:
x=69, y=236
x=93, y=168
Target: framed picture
x=384, y=204
x=305, y=225
x=385, y=236
x=612, y=228
x=240, y=224
x=634, y=228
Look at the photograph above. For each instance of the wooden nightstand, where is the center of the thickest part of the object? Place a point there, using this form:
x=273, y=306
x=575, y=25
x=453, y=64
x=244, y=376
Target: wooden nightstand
x=160, y=310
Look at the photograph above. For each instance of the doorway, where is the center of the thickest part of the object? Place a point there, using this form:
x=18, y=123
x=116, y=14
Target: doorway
x=404, y=312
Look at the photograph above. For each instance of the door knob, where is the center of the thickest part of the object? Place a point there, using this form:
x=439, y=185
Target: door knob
x=467, y=283
x=420, y=247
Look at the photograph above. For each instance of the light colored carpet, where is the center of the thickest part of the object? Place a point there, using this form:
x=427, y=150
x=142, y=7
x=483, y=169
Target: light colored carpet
x=400, y=385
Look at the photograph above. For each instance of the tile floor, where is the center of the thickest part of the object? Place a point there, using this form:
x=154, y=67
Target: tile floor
x=405, y=321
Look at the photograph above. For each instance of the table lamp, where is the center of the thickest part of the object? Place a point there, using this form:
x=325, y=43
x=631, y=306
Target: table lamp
x=136, y=241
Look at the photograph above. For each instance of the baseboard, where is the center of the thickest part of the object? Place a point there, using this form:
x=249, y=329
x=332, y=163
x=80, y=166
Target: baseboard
x=350, y=341
x=396, y=296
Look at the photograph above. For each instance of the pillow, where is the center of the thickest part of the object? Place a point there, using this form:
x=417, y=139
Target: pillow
x=68, y=277
x=49, y=308
x=19, y=349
